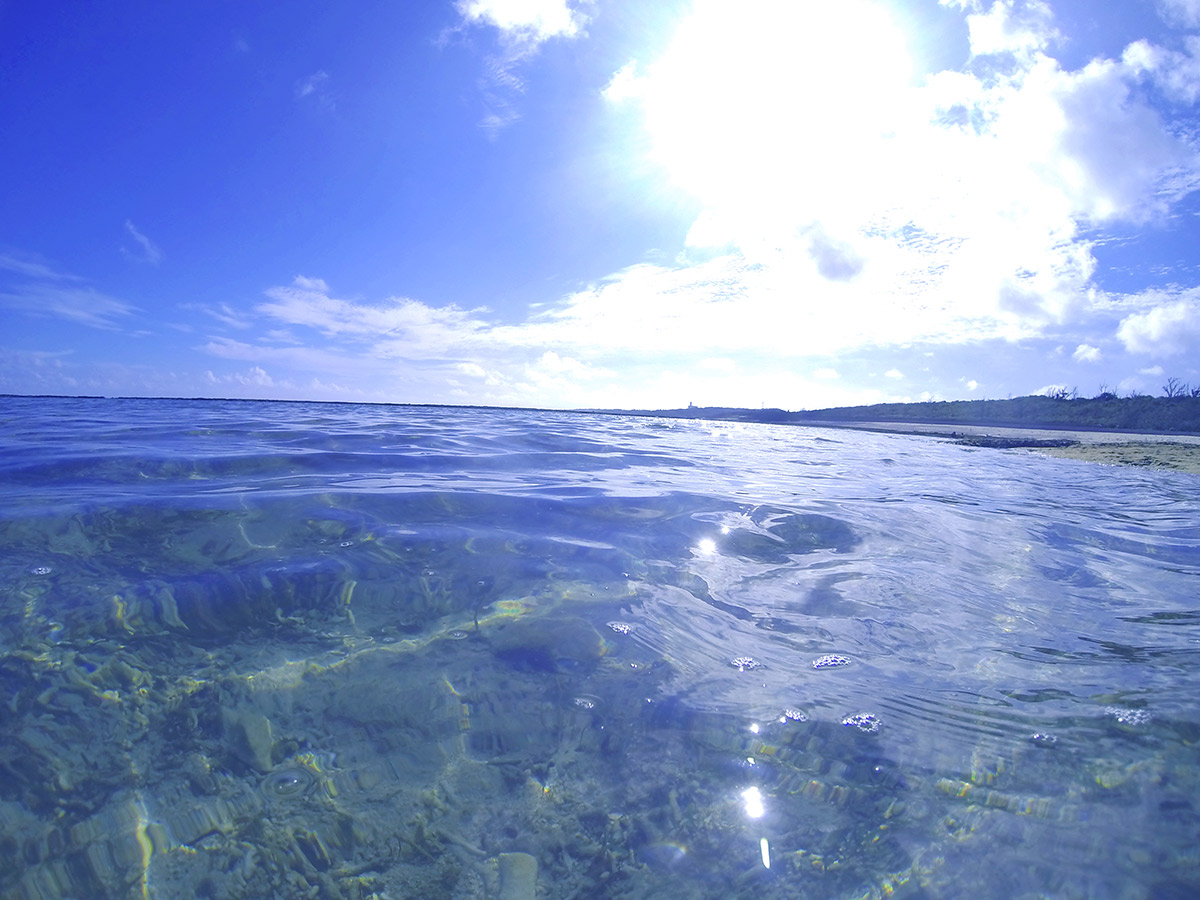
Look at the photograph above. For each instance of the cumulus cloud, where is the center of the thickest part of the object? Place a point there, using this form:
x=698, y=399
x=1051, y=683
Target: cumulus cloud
x=562, y=377
x=255, y=376
x=971, y=190
x=1181, y=12
x=310, y=284
x=624, y=84
x=1175, y=72
x=1052, y=390
x=1086, y=353
x=552, y=364
x=525, y=21
x=1168, y=328
x=1020, y=29
x=836, y=260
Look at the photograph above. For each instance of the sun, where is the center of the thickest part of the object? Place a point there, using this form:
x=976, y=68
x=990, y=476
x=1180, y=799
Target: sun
x=764, y=107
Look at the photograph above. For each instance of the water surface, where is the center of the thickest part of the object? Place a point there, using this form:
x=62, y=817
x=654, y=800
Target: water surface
x=270, y=649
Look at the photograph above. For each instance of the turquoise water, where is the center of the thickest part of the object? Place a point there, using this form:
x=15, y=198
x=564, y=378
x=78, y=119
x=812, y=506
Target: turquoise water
x=303, y=650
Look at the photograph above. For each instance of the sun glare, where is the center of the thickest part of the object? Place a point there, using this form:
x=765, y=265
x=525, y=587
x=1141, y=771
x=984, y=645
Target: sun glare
x=770, y=101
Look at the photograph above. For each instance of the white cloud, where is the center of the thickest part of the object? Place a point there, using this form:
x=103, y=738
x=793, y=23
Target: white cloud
x=32, y=267
x=522, y=26
x=473, y=370
x=257, y=382
x=82, y=305
x=1168, y=328
x=722, y=364
x=1022, y=29
x=1051, y=390
x=1153, y=371
x=1175, y=72
x=311, y=84
x=525, y=21
x=314, y=88
x=882, y=209
x=562, y=378
x=551, y=363
x=596, y=348
x=398, y=327
x=146, y=250
x=223, y=313
x=256, y=376
x=624, y=85
x=893, y=373
x=310, y=284
x=1181, y=12
x=954, y=208
x=836, y=260
x=826, y=374
x=42, y=290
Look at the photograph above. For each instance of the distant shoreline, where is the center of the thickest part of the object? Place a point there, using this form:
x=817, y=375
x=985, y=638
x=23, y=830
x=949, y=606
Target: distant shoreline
x=1174, y=451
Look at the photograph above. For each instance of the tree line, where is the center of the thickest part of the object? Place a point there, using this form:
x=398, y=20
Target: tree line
x=1178, y=410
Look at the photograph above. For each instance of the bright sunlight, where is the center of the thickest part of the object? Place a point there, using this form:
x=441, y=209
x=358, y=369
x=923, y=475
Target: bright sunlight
x=776, y=105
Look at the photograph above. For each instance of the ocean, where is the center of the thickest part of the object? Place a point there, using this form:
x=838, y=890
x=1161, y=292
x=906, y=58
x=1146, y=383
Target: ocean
x=256, y=650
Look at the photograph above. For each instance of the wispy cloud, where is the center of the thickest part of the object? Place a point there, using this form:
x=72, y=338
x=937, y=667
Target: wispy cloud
x=145, y=250
x=33, y=267
x=521, y=27
x=398, y=327
x=223, y=313
x=315, y=88
x=82, y=305
x=42, y=290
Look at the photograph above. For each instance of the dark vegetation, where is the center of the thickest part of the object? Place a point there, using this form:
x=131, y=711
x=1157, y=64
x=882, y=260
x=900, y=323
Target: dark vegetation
x=1178, y=410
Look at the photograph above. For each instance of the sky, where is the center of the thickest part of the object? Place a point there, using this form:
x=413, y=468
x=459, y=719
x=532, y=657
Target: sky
x=600, y=203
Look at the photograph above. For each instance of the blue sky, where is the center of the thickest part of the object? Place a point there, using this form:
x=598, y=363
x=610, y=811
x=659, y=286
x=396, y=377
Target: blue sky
x=616, y=203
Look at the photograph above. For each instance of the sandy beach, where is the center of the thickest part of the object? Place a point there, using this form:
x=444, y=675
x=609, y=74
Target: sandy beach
x=1176, y=452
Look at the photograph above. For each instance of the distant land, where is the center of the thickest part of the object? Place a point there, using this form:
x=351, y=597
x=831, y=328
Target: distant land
x=1107, y=412
x=1178, y=414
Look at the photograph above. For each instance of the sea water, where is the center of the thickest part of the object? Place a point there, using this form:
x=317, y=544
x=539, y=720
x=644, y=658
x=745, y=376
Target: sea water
x=254, y=650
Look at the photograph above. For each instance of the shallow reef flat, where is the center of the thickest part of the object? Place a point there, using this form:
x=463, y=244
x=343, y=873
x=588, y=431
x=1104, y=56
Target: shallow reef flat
x=1172, y=455
x=1175, y=452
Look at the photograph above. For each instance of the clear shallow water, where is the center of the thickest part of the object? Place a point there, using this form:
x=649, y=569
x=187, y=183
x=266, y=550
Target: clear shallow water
x=256, y=650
